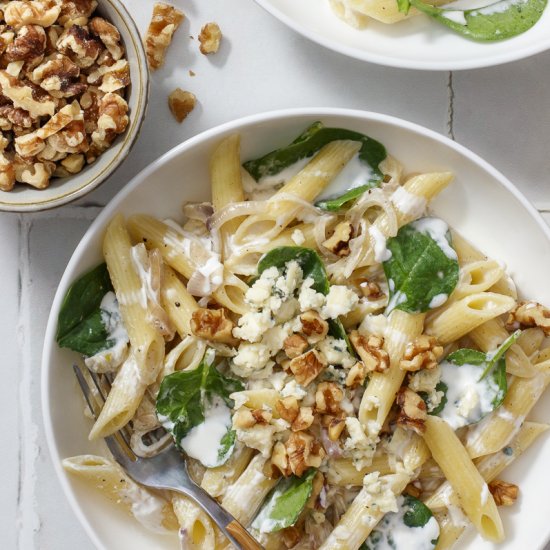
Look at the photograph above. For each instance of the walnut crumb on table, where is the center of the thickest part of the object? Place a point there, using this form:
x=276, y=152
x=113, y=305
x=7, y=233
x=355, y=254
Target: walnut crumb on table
x=181, y=103
x=210, y=38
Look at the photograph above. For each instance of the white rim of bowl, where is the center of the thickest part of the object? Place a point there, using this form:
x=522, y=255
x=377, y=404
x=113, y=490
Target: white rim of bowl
x=488, y=61
x=110, y=209
x=128, y=138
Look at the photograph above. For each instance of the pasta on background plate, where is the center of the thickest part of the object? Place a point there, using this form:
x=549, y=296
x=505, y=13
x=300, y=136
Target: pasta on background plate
x=341, y=369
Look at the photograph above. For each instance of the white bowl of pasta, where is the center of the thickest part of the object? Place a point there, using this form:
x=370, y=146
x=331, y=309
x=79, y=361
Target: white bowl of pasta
x=309, y=303
x=377, y=32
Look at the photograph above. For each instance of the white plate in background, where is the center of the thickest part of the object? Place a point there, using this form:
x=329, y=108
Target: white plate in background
x=416, y=43
x=482, y=204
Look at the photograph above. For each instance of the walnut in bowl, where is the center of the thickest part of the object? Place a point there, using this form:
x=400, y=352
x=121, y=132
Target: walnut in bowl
x=73, y=92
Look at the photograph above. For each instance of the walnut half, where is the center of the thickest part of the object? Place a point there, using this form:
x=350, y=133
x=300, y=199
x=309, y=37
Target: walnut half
x=527, y=315
x=213, y=325
x=422, y=353
x=181, y=103
x=412, y=411
x=504, y=493
x=370, y=349
x=166, y=19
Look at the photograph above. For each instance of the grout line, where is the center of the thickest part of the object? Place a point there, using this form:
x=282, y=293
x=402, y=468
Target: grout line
x=27, y=519
x=450, y=111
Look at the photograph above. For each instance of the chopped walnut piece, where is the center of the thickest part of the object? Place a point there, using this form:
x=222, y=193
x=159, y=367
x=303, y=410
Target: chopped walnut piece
x=10, y=115
x=243, y=418
x=288, y=408
x=210, y=38
x=313, y=326
x=328, y=398
x=261, y=417
x=73, y=163
x=113, y=120
x=338, y=243
x=370, y=350
x=213, y=324
x=527, y=315
x=29, y=145
x=422, y=353
x=72, y=139
x=28, y=46
x=7, y=173
x=356, y=375
x=306, y=367
x=304, y=419
x=77, y=43
x=295, y=345
x=111, y=78
x=413, y=490
x=412, y=411
x=57, y=76
x=303, y=453
x=76, y=12
x=166, y=19
x=23, y=97
x=61, y=119
x=36, y=174
x=181, y=103
x=279, y=460
x=109, y=35
x=370, y=290
x=35, y=12
x=504, y=493
x=335, y=428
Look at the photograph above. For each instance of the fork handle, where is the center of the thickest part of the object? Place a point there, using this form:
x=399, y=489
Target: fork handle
x=229, y=526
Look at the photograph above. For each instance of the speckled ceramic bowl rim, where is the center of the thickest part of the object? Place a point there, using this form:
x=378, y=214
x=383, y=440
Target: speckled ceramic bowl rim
x=140, y=179
x=137, y=115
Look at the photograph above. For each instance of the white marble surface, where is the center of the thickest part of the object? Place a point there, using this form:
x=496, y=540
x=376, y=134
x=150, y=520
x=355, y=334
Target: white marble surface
x=502, y=113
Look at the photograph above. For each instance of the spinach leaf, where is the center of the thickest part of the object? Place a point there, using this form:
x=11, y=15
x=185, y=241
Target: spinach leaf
x=442, y=387
x=498, y=21
x=423, y=268
x=477, y=378
x=187, y=399
x=404, y=6
x=336, y=204
x=309, y=261
x=285, y=503
x=372, y=153
x=312, y=266
x=79, y=325
x=397, y=529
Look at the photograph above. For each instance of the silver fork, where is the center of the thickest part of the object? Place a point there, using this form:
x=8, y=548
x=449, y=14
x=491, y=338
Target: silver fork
x=167, y=470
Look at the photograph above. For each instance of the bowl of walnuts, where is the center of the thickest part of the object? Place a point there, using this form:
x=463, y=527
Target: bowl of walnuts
x=73, y=92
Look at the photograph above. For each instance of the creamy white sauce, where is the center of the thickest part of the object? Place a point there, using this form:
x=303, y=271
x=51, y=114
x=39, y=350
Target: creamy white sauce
x=145, y=276
x=437, y=229
x=378, y=241
x=354, y=174
x=455, y=15
x=395, y=535
x=468, y=398
x=438, y=300
x=111, y=358
x=146, y=508
x=497, y=7
x=408, y=203
x=203, y=441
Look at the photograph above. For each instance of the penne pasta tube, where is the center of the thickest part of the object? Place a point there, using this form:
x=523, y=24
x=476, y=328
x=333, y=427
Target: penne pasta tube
x=383, y=386
x=216, y=480
x=462, y=316
x=465, y=250
x=488, y=336
x=225, y=177
x=449, y=531
x=472, y=491
x=244, y=498
x=196, y=529
x=490, y=466
x=177, y=302
x=496, y=430
x=306, y=185
x=107, y=476
x=477, y=277
x=185, y=255
x=343, y=472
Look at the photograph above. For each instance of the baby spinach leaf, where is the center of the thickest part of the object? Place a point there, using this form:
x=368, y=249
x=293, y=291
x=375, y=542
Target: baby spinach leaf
x=372, y=153
x=477, y=377
x=186, y=398
x=498, y=21
x=397, y=529
x=336, y=204
x=423, y=268
x=79, y=325
x=285, y=503
x=440, y=387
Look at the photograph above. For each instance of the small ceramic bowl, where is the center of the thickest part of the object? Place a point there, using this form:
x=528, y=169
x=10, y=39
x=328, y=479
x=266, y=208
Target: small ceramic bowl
x=24, y=198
